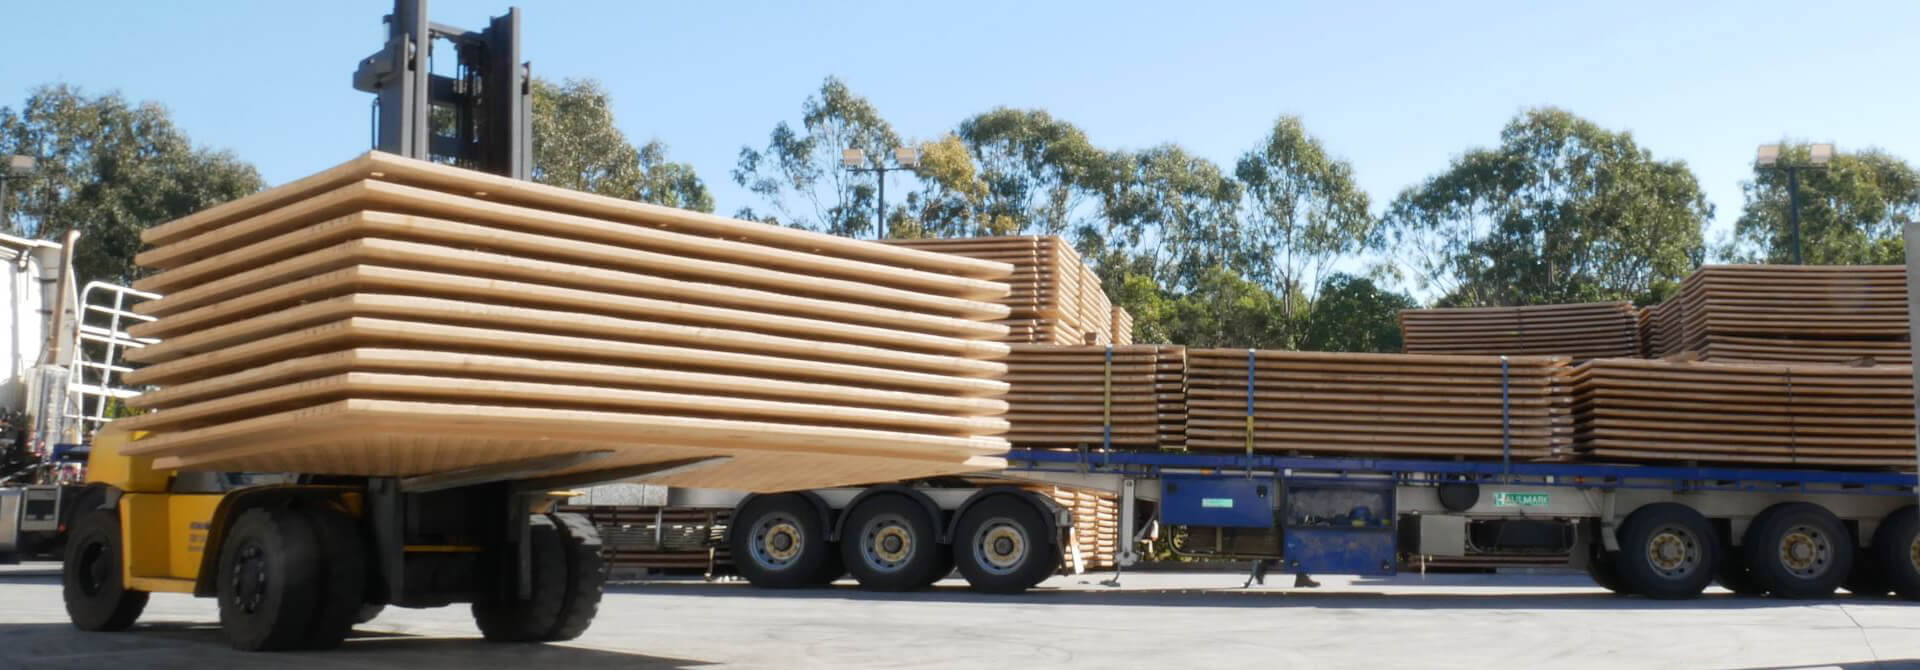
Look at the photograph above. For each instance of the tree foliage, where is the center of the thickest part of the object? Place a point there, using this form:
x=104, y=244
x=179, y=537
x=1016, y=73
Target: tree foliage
x=1562, y=211
x=1353, y=314
x=576, y=145
x=1303, y=212
x=1042, y=175
x=1851, y=212
x=108, y=168
x=798, y=174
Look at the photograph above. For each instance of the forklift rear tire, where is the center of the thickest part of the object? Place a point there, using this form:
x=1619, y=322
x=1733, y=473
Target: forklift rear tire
x=1896, y=550
x=503, y=616
x=780, y=542
x=91, y=577
x=1668, y=551
x=343, y=587
x=586, y=577
x=270, y=580
x=1004, y=545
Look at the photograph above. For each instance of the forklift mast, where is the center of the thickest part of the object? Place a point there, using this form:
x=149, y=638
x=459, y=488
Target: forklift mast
x=480, y=119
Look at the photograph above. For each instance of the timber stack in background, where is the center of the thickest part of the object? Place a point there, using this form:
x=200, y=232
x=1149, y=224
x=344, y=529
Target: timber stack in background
x=1056, y=298
x=1786, y=314
x=1581, y=331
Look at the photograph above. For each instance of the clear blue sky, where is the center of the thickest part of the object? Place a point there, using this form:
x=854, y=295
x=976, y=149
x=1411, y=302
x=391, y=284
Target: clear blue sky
x=1395, y=88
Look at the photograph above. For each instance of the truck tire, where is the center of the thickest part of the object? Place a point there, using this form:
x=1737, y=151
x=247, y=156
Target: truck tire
x=888, y=542
x=780, y=542
x=1604, y=568
x=1667, y=551
x=1798, y=550
x=1003, y=545
x=343, y=576
x=269, y=580
x=499, y=612
x=1896, y=550
x=1865, y=579
x=90, y=577
x=1734, y=576
x=586, y=577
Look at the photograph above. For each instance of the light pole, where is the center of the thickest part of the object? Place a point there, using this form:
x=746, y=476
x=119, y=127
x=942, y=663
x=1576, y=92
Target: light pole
x=17, y=167
x=1818, y=156
x=904, y=158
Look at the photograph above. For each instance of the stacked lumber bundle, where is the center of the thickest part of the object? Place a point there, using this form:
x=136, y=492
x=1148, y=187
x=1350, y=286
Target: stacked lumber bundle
x=1122, y=326
x=1056, y=298
x=1122, y=396
x=1789, y=313
x=1581, y=331
x=393, y=317
x=1388, y=404
x=634, y=537
x=1096, y=522
x=1720, y=413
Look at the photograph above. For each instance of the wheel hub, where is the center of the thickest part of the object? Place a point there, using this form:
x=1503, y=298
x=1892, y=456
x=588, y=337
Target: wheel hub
x=249, y=578
x=1673, y=552
x=781, y=542
x=886, y=542
x=1805, y=551
x=1002, y=547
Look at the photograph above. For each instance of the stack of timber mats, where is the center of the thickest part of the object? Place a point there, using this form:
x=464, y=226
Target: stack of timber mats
x=1787, y=314
x=1096, y=397
x=393, y=317
x=1056, y=298
x=1582, y=331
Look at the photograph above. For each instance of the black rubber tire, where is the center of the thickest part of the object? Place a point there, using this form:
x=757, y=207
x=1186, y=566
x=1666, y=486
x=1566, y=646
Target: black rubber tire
x=940, y=571
x=1763, y=554
x=1604, y=569
x=1038, y=556
x=501, y=615
x=1865, y=579
x=90, y=577
x=343, y=576
x=1896, y=551
x=279, y=550
x=1734, y=576
x=586, y=577
x=925, y=555
x=1660, y=525
x=368, y=612
x=814, y=562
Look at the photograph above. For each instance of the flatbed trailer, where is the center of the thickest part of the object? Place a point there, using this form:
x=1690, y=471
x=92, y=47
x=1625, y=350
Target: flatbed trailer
x=1654, y=530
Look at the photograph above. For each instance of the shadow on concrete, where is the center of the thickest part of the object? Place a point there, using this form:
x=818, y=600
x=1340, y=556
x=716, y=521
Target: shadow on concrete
x=1851, y=665
x=199, y=646
x=1352, y=597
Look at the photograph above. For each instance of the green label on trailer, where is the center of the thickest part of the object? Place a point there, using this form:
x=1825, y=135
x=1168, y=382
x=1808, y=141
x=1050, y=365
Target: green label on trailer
x=1517, y=499
x=1221, y=503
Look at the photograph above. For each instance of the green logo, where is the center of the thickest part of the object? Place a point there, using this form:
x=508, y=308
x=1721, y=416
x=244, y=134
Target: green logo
x=1516, y=499
x=1212, y=503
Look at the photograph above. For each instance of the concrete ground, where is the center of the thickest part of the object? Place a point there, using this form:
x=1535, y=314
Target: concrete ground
x=1157, y=620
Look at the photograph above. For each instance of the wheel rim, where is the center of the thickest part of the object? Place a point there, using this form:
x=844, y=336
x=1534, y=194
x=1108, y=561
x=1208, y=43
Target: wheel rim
x=249, y=577
x=1000, y=545
x=1913, y=552
x=1674, y=552
x=94, y=570
x=777, y=541
x=886, y=543
x=1806, y=552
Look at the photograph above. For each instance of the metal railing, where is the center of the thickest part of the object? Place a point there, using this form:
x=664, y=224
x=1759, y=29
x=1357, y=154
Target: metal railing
x=94, y=387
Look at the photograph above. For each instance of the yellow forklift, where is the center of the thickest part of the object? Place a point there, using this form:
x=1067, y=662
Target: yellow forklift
x=296, y=560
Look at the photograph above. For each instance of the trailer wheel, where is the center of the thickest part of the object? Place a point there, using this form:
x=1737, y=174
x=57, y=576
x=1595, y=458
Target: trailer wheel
x=1002, y=545
x=1896, y=550
x=780, y=542
x=1734, y=575
x=1798, y=550
x=889, y=544
x=90, y=578
x=343, y=575
x=269, y=580
x=499, y=612
x=1604, y=568
x=1866, y=579
x=1667, y=551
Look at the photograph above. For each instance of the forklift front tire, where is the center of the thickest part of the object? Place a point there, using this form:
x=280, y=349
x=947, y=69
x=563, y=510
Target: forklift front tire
x=97, y=599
